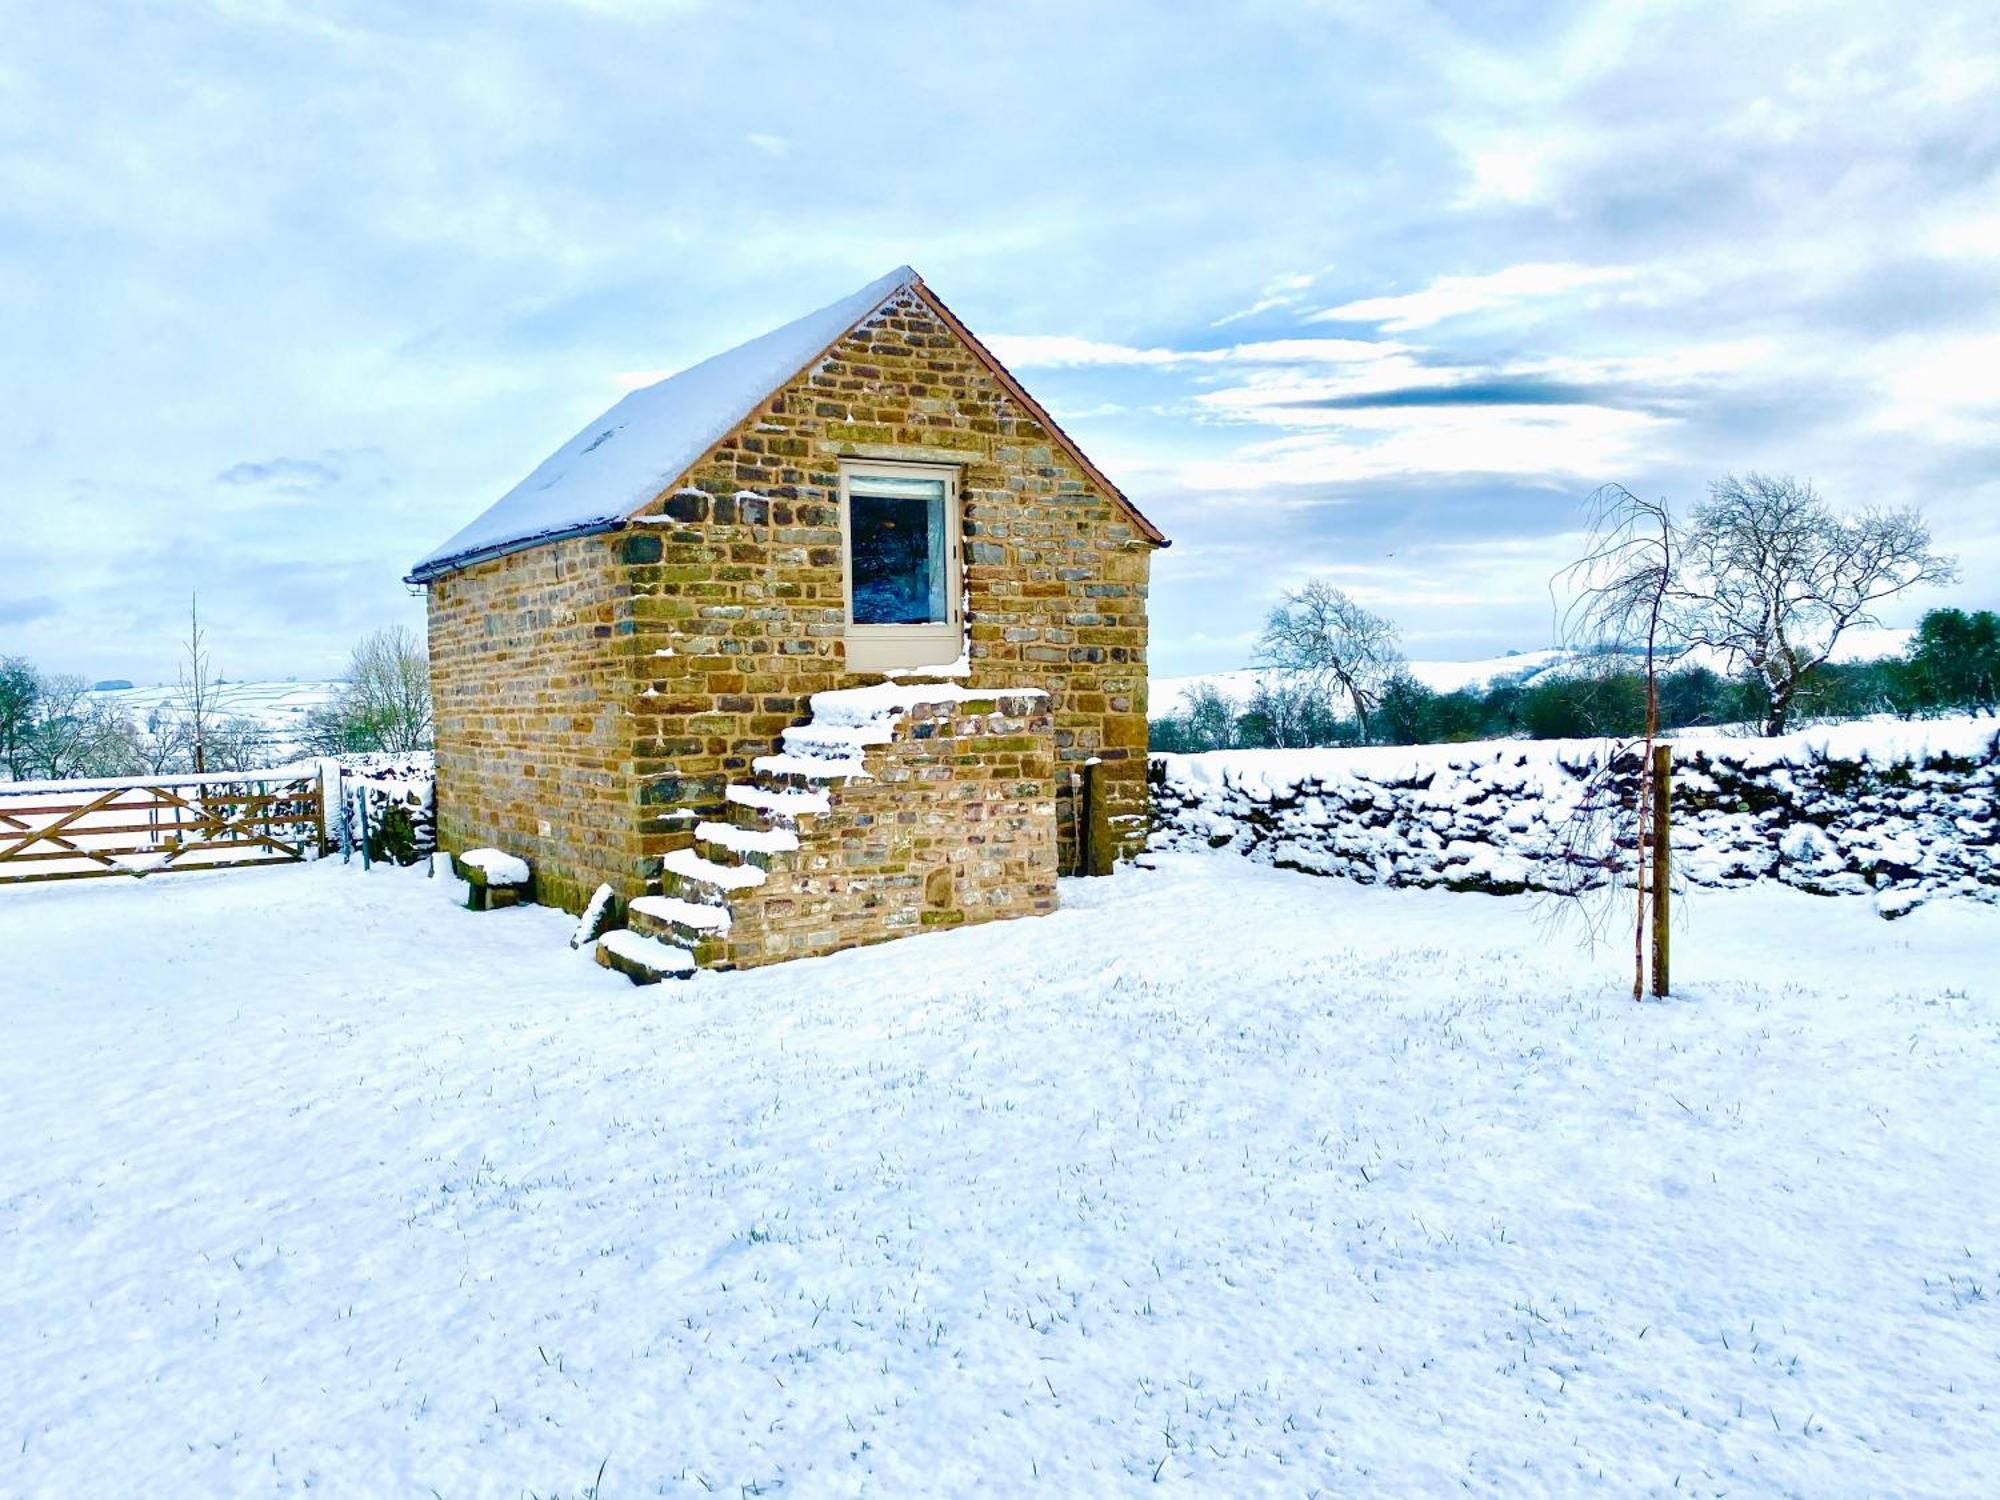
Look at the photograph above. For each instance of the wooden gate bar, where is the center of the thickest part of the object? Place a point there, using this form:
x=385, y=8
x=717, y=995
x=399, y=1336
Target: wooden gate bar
x=268, y=817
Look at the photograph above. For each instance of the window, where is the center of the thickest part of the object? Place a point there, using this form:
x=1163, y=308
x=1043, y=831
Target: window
x=896, y=536
x=900, y=523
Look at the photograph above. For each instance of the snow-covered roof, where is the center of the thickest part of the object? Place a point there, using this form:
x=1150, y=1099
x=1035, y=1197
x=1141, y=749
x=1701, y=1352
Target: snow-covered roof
x=640, y=446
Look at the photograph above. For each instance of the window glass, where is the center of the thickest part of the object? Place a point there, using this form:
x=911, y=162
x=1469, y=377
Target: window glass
x=896, y=528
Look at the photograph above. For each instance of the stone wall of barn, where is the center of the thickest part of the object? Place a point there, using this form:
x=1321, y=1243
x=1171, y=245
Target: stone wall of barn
x=737, y=586
x=532, y=682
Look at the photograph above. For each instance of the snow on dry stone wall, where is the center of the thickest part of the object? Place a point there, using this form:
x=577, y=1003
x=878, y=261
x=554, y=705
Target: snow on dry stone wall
x=400, y=791
x=1904, y=811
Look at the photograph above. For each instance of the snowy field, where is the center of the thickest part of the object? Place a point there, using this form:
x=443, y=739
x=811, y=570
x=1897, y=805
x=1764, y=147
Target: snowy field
x=278, y=709
x=1222, y=1179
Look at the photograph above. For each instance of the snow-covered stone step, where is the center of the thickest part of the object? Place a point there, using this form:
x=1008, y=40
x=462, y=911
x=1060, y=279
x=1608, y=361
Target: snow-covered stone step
x=765, y=848
x=834, y=741
x=748, y=840
x=803, y=770
x=665, y=910
x=776, y=803
x=643, y=960
x=687, y=874
x=696, y=927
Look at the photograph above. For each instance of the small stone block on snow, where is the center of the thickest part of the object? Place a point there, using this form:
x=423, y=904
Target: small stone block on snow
x=493, y=877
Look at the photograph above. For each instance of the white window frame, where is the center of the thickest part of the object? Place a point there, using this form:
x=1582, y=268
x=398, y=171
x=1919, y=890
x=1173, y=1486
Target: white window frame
x=884, y=648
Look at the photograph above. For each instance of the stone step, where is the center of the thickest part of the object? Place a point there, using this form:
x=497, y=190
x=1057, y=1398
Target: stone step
x=755, y=806
x=763, y=848
x=789, y=772
x=643, y=960
x=697, y=927
x=656, y=914
x=687, y=874
x=844, y=742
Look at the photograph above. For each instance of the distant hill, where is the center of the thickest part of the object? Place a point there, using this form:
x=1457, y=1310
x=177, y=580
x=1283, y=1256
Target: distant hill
x=279, y=709
x=1166, y=695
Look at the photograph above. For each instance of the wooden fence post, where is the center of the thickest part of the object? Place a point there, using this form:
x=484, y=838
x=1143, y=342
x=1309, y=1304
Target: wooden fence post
x=1663, y=860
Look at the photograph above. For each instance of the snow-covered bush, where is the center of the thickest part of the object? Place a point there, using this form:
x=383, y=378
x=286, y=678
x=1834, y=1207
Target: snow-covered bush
x=1905, y=811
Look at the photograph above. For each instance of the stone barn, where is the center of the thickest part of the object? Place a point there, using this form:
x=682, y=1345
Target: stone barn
x=832, y=637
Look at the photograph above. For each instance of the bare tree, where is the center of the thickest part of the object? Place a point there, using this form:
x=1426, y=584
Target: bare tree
x=236, y=743
x=392, y=685
x=1211, y=716
x=1773, y=577
x=386, y=703
x=1324, y=640
x=160, y=745
x=74, y=734
x=195, y=695
x=1619, y=595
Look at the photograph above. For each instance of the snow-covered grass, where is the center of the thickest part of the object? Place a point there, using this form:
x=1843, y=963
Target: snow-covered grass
x=1221, y=1178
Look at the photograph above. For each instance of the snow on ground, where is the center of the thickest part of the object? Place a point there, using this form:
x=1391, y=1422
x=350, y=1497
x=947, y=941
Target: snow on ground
x=1225, y=1179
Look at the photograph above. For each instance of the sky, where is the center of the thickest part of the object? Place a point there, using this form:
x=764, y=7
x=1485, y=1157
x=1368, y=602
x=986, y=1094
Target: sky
x=1377, y=293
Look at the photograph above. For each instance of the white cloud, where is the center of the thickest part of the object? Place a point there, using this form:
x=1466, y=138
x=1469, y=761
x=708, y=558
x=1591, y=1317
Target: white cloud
x=1943, y=389
x=1060, y=351
x=1974, y=237
x=1513, y=167
x=1454, y=296
x=1531, y=443
x=1279, y=292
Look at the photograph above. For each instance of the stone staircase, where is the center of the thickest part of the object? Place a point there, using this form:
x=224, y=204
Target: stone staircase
x=686, y=926
x=898, y=807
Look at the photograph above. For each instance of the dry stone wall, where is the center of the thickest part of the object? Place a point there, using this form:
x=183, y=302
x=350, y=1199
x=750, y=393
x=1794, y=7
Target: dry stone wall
x=1902, y=812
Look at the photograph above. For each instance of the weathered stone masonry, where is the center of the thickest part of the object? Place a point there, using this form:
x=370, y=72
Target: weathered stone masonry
x=939, y=812
x=609, y=688
x=534, y=730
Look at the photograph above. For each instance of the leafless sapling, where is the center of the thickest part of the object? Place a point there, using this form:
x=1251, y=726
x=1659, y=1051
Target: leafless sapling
x=1618, y=595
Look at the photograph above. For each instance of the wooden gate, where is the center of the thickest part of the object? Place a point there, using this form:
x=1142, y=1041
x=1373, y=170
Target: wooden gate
x=139, y=826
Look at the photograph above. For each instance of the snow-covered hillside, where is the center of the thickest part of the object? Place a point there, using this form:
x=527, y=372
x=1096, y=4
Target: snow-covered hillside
x=1220, y=1178
x=1168, y=695
x=279, y=709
